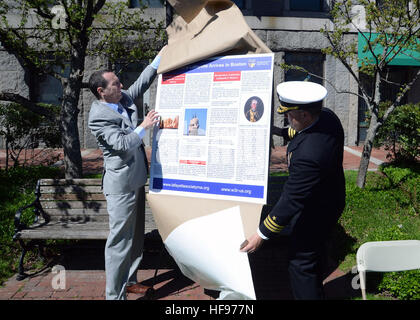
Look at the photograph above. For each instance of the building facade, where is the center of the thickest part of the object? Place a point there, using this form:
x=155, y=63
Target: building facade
x=290, y=28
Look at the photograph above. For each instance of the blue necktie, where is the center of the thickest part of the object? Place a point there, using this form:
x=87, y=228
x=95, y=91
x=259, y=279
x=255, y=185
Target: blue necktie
x=124, y=112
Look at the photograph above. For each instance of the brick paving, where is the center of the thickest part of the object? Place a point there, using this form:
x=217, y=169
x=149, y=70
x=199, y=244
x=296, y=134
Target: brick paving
x=84, y=263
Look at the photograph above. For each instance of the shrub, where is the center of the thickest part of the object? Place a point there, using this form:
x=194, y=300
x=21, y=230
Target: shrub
x=24, y=130
x=17, y=187
x=403, y=285
x=406, y=181
x=400, y=134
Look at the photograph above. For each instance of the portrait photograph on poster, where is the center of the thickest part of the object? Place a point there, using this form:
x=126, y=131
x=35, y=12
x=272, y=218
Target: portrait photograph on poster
x=254, y=109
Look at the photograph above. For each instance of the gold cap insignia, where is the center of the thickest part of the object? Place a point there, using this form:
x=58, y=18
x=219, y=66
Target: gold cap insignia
x=283, y=109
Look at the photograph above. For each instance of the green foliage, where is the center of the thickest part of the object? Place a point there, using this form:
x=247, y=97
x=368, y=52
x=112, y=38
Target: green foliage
x=397, y=175
x=17, y=187
x=400, y=134
x=390, y=39
x=382, y=211
x=406, y=181
x=118, y=33
x=44, y=34
x=388, y=233
x=403, y=285
x=127, y=36
x=23, y=129
x=389, y=28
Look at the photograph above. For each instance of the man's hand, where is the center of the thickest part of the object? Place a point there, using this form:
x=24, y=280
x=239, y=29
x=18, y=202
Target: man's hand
x=150, y=120
x=254, y=242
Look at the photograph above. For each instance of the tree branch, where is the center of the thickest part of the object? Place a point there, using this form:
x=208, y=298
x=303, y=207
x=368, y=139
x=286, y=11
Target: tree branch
x=40, y=11
x=28, y=104
x=397, y=101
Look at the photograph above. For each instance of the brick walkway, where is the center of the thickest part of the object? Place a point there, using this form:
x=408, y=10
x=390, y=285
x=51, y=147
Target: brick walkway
x=84, y=262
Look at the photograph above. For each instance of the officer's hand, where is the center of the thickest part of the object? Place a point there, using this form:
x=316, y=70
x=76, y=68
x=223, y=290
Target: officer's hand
x=254, y=242
x=150, y=120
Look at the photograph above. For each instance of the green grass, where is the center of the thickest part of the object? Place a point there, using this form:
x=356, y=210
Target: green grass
x=376, y=213
x=383, y=210
x=386, y=209
x=17, y=187
x=94, y=176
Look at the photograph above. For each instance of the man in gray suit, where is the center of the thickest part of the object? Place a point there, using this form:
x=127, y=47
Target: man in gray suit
x=113, y=120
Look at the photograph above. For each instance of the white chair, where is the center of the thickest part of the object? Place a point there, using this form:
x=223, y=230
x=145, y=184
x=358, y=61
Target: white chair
x=386, y=256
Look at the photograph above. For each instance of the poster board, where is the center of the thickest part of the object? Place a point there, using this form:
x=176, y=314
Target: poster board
x=214, y=136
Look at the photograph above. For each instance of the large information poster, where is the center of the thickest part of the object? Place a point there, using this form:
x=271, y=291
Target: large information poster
x=213, y=139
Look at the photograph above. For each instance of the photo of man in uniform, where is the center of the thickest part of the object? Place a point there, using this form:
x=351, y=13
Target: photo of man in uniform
x=254, y=109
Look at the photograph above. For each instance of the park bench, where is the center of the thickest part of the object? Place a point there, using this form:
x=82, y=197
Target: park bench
x=76, y=210
x=73, y=209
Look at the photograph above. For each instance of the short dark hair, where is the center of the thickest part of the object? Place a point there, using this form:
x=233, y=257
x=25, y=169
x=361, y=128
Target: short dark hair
x=97, y=80
x=315, y=108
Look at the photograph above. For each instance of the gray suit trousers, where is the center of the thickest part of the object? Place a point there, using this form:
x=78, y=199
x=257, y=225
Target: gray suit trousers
x=124, y=246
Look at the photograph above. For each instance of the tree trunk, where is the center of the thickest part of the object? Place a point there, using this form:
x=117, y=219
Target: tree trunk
x=367, y=150
x=69, y=120
x=69, y=111
x=70, y=133
x=7, y=149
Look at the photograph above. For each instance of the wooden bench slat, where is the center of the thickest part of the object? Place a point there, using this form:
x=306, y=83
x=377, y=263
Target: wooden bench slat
x=66, y=205
x=72, y=230
x=81, y=197
x=76, y=212
x=58, y=230
x=77, y=209
x=93, y=205
x=80, y=182
x=79, y=219
x=72, y=196
x=71, y=189
x=87, y=215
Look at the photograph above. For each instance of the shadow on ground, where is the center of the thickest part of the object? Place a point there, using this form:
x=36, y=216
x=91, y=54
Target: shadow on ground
x=269, y=268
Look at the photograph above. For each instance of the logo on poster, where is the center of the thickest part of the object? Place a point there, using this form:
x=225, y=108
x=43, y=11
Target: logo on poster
x=251, y=63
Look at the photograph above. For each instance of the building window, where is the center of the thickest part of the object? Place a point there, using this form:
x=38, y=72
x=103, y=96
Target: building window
x=147, y=3
x=396, y=77
x=313, y=62
x=270, y=8
x=48, y=89
x=306, y=5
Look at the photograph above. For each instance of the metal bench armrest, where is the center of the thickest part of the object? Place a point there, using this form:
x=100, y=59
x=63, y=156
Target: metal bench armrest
x=19, y=225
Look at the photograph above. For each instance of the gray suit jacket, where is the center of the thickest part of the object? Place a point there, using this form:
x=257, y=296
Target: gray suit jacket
x=124, y=164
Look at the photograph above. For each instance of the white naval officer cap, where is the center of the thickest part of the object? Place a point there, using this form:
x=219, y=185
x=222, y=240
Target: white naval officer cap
x=300, y=95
